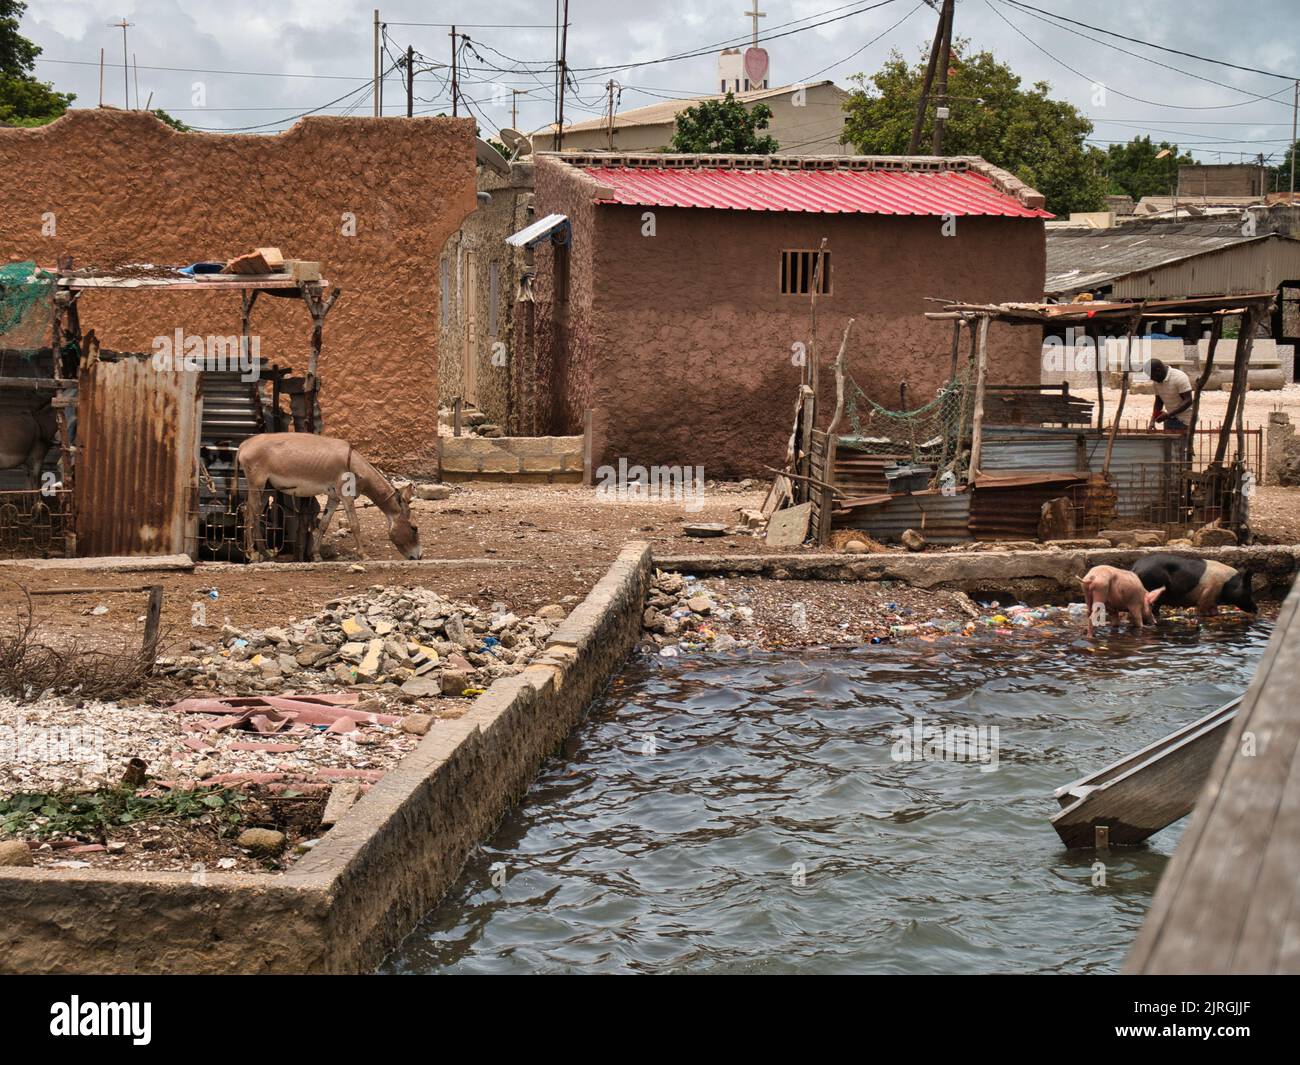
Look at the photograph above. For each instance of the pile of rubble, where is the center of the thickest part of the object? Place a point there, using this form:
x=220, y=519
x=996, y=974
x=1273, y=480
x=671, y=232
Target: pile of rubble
x=400, y=641
x=682, y=612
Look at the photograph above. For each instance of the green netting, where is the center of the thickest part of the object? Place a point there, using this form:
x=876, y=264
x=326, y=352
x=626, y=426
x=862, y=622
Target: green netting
x=934, y=434
x=26, y=307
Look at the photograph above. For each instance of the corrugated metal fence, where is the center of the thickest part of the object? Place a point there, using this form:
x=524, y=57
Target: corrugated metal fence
x=138, y=436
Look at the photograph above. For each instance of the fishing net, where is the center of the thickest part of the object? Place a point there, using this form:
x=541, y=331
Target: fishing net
x=26, y=308
x=932, y=435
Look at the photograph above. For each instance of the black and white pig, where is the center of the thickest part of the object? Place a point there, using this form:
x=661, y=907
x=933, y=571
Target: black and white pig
x=1196, y=582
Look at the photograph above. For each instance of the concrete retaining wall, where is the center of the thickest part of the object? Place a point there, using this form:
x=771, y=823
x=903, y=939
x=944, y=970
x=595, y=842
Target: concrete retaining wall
x=1028, y=575
x=349, y=902
x=552, y=459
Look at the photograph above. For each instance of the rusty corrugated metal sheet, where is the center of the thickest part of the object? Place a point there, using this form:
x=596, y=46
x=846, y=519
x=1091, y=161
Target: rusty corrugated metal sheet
x=1139, y=469
x=837, y=191
x=1009, y=507
x=137, y=436
x=941, y=519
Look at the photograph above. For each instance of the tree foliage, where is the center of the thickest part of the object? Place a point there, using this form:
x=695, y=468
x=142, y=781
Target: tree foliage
x=724, y=127
x=24, y=101
x=1280, y=176
x=1134, y=168
x=1023, y=130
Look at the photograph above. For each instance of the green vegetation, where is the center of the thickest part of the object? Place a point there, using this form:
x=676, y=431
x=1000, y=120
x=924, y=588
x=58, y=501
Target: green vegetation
x=24, y=101
x=92, y=815
x=1140, y=168
x=1023, y=130
x=724, y=127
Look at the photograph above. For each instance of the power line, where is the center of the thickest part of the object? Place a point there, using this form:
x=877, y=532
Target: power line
x=1148, y=44
x=1137, y=99
x=873, y=40
x=201, y=70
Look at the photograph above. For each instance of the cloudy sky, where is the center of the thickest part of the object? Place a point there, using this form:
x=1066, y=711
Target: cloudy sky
x=250, y=64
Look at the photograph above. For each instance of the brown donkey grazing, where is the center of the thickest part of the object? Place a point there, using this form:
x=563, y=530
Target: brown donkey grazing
x=303, y=465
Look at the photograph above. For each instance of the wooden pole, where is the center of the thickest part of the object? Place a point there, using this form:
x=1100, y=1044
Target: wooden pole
x=1216, y=332
x=981, y=374
x=149, y=652
x=1098, y=360
x=914, y=142
x=1245, y=339
x=832, y=444
x=1123, y=395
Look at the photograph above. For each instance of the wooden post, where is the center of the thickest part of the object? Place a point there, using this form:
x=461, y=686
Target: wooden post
x=455, y=416
x=1123, y=395
x=832, y=444
x=1245, y=339
x=956, y=345
x=318, y=306
x=1216, y=332
x=981, y=374
x=586, y=448
x=1098, y=359
x=149, y=652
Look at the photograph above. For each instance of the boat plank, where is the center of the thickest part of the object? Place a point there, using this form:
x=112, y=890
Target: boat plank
x=1229, y=900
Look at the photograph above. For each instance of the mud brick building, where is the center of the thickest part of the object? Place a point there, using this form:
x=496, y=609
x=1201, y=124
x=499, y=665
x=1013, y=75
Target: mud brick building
x=372, y=199
x=671, y=302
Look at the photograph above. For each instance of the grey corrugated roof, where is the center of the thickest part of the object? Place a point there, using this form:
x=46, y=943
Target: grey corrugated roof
x=1085, y=258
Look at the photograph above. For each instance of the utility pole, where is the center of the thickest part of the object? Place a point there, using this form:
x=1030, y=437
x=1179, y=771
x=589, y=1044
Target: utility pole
x=914, y=142
x=610, y=86
x=455, y=91
x=126, y=67
x=941, y=96
x=563, y=73
x=410, y=80
x=1295, y=106
x=136, y=68
x=514, y=106
x=375, y=93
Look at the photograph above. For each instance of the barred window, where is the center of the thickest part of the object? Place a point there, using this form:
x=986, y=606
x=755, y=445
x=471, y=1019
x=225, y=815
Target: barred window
x=797, y=268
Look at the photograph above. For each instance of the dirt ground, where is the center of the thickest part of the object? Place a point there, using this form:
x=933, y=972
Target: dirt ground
x=522, y=546
x=526, y=546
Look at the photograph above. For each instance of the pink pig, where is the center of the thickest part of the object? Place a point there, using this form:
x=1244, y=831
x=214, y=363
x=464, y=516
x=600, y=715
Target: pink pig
x=1118, y=590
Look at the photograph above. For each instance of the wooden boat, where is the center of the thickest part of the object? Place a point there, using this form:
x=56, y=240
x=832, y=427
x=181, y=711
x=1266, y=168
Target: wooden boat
x=1139, y=795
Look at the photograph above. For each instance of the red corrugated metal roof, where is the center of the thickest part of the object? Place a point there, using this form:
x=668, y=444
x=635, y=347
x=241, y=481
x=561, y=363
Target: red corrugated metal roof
x=824, y=191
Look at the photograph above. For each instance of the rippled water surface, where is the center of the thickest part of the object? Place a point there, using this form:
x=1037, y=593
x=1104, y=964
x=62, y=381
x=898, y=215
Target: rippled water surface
x=671, y=833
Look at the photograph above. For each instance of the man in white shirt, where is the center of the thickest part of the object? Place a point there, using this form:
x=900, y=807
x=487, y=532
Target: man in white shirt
x=1173, y=395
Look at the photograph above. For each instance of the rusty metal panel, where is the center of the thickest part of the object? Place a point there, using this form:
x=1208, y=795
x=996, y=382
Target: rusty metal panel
x=939, y=518
x=138, y=436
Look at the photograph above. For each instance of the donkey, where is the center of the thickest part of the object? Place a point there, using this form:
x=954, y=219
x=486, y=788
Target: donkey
x=25, y=438
x=303, y=465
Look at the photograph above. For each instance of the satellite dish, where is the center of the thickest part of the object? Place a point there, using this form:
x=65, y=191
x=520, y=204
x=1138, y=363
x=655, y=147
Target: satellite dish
x=489, y=156
x=511, y=138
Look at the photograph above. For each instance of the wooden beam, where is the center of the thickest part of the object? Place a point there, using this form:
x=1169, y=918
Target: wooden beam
x=981, y=375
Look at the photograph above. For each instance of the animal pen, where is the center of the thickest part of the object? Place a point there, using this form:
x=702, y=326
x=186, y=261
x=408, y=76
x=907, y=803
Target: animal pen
x=141, y=455
x=1020, y=462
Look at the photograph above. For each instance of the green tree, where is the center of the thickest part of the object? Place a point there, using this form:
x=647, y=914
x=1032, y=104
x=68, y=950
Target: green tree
x=24, y=101
x=1279, y=178
x=724, y=127
x=1140, y=168
x=1023, y=130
